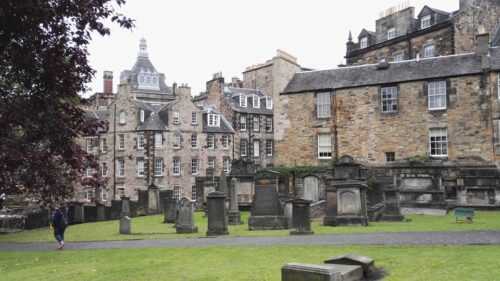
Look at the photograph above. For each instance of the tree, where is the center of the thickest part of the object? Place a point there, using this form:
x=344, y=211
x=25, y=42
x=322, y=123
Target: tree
x=43, y=68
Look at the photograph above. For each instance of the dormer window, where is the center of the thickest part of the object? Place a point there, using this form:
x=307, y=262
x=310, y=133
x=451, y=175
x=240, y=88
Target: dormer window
x=256, y=101
x=213, y=120
x=122, y=118
x=425, y=22
x=141, y=113
x=269, y=102
x=363, y=43
x=243, y=101
x=391, y=33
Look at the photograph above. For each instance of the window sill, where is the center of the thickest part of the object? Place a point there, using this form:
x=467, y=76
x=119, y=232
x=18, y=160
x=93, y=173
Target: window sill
x=437, y=109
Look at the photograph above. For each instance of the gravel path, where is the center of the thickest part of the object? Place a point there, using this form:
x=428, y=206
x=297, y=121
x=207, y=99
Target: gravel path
x=390, y=239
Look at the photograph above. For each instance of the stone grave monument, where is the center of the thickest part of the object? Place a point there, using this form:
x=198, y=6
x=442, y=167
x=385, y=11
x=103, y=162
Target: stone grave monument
x=167, y=197
x=171, y=208
x=301, y=215
x=216, y=212
x=101, y=211
x=266, y=213
x=125, y=221
x=78, y=213
x=153, y=200
x=185, y=217
x=234, y=216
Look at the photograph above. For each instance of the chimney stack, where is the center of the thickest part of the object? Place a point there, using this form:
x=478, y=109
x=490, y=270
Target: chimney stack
x=107, y=82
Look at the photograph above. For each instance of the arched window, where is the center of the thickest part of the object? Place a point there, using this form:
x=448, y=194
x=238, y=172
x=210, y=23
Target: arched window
x=123, y=117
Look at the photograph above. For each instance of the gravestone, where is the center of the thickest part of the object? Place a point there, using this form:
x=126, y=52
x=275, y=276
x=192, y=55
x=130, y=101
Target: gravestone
x=78, y=213
x=185, y=217
x=366, y=263
x=323, y=272
x=222, y=187
x=301, y=217
x=142, y=202
x=167, y=197
x=125, y=221
x=351, y=203
x=216, y=209
x=171, y=208
x=267, y=213
x=153, y=200
x=101, y=212
x=288, y=212
x=234, y=212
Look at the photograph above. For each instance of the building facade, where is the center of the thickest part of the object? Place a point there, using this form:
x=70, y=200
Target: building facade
x=156, y=136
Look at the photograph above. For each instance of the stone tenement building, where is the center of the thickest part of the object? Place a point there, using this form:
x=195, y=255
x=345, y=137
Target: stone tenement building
x=402, y=36
x=156, y=136
x=249, y=105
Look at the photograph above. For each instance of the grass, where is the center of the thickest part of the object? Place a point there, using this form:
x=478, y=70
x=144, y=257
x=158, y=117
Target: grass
x=471, y=263
x=151, y=227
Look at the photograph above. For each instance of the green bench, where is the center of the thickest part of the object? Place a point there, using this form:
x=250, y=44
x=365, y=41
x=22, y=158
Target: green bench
x=464, y=215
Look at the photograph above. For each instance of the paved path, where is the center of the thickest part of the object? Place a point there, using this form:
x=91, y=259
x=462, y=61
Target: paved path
x=409, y=238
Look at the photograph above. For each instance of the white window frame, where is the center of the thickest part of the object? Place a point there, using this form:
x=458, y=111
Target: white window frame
x=194, y=118
x=177, y=141
x=176, y=167
x=323, y=105
x=213, y=120
x=88, y=172
x=243, y=148
x=429, y=51
x=211, y=141
x=121, y=142
x=177, y=192
x=363, y=43
x=90, y=141
x=195, y=166
x=120, y=168
x=437, y=90
x=243, y=122
x=398, y=57
x=256, y=123
x=225, y=141
x=325, y=150
x=158, y=140
x=226, y=165
x=255, y=101
x=103, y=145
x=269, y=148
x=389, y=99
x=391, y=33
x=426, y=22
x=176, y=118
x=122, y=118
x=269, y=124
x=140, y=171
x=90, y=195
x=193, y=193
x=269, y=102
x=243, y=101
x=256, y=148
x=142, y=115
x=158, y=169
x=194, y=141
x=211, y=163
x=438, y=137
x=140, y=141
x=104, y=195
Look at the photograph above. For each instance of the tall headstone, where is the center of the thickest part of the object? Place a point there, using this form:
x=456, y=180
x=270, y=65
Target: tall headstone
x=101, y=211
x=267, y=213
x=217, y=219
x=78, y=213
x=234, y=212
x=223, y=184
x=171, y=206
x=167, y=197
x=185, y=217
x=125, y=221
x=301, y=217
x=330, y=218
x=288, y=212
x=153, y=200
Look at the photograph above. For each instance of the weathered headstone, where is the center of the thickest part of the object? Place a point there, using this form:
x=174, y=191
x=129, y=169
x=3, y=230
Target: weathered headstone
x=267, y=213
x=234, y=212
x=153, y=200
x=217, y=219
x=222, y=187
x=288, y=212
x=171, y=206
x=351, y=203
x=323, y=272
x=125, y=221
x=185, y=217
x=301, y=217
x=167, y=197
x=78, y=213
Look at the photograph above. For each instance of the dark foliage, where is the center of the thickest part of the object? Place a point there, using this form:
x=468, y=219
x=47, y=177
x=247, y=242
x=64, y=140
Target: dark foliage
x=43, y=68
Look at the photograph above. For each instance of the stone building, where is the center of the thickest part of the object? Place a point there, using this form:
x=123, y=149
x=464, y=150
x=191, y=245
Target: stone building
x=156, y=136
x=401, y=35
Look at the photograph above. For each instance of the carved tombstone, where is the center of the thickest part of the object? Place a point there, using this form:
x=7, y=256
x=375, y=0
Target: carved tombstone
x=167, y=198
x=153, y=200
x=351, y=203
x=125, y=221
x=234, y=212
x=185, y=217
x=216, y=212
x=267, y=213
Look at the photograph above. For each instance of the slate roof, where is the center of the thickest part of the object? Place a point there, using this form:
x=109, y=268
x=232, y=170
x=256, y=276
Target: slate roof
x=368, y=75
x=232, y=94
x=225, y=126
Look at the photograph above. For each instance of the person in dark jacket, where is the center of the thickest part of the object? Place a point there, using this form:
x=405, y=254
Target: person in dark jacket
x=59, y=225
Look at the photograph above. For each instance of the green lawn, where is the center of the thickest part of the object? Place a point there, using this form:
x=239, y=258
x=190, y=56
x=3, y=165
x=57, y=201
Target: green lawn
x=471, y=263
x=152, y=228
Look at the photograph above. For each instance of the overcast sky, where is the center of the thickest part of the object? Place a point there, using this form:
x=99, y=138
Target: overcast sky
x=189, y=40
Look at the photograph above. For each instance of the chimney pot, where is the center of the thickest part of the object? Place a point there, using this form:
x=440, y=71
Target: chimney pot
x=107, y=82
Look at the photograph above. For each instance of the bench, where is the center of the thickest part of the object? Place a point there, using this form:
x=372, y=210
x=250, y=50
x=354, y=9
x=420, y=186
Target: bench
x=464, y=215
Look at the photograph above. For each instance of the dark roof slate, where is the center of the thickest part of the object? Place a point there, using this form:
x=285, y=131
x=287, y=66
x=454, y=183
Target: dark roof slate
x=368, y=75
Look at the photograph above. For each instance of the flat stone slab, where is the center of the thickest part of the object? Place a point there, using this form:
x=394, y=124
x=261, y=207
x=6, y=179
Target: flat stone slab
x=423, y=211
x=367, y=263
x=324, y=272
x=267, y=222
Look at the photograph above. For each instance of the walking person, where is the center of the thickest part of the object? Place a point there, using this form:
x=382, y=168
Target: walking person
x=59, y=225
